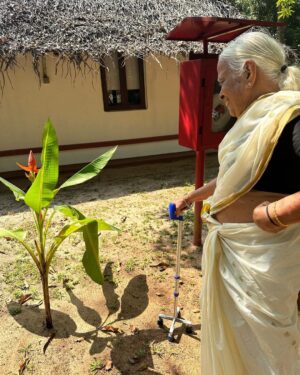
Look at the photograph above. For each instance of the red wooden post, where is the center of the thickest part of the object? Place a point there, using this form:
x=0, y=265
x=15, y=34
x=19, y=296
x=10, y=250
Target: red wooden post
x=200, y=155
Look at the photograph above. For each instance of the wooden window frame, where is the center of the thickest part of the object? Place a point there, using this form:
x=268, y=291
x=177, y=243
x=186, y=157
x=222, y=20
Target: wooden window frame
x=124, y=105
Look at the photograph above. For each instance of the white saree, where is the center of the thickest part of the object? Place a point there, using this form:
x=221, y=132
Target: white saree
x=251, y=278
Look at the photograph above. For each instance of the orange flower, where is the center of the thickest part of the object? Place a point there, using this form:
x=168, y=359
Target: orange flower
x=32, y=167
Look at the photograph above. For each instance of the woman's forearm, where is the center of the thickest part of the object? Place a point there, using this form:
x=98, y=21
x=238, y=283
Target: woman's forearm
x=287, y=209
x=195, y=196
x=202, y=193
x=276, y=216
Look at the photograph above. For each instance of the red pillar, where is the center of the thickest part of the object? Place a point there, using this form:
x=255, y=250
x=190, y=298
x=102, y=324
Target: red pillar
x=199, y=181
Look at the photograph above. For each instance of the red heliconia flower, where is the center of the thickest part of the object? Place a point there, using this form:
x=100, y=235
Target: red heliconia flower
x=32, y=167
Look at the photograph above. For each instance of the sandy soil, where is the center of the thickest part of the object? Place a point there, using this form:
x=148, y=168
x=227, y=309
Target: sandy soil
x=114, y=325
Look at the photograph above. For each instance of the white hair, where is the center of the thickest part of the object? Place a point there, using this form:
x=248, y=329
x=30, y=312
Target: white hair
x=267, y=53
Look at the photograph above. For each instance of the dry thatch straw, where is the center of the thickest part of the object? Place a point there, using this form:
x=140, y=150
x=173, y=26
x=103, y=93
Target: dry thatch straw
x=78, y=30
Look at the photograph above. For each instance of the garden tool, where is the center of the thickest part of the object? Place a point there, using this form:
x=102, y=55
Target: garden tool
x=176, y=317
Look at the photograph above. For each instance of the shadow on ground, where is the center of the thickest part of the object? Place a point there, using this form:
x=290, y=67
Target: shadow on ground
x=134, y=302
x=135, y=346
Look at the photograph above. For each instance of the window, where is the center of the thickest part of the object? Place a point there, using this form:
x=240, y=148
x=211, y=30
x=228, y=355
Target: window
x=122, y=81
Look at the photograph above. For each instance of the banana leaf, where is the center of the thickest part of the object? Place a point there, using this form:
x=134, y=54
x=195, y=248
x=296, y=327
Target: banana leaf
x=18, y=193
x=89, y=171
x=17, y=234
x=70, y=212
x=65, y=232
x=20, y=236
x=42, y=191
x=74, y=214
x=90, y=259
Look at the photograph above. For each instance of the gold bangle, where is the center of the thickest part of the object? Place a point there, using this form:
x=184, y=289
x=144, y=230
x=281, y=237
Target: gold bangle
x=276, y=219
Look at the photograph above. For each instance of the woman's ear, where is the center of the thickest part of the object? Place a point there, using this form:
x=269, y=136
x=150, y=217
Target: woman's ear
x=250, y=72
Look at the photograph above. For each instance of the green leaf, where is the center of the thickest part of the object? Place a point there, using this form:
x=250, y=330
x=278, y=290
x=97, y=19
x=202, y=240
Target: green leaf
x=42, y=191
x=103, y=225
x=70, y=212
x=18, y=193
x=90, y=258
x=285, y=8
x=89, y=171
x=17, y=234
x=74, y=214
x=20, y=236
x=63, y=234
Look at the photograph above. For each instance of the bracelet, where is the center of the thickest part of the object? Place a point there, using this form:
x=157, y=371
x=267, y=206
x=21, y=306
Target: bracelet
x=278, y=222
x=269, y=217
x=187, y=204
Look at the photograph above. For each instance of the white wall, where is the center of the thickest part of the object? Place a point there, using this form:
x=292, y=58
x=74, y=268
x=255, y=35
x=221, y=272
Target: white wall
x=75, y=106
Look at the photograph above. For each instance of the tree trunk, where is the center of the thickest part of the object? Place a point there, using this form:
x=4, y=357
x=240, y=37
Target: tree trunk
x=44, y=278
x=280, y=34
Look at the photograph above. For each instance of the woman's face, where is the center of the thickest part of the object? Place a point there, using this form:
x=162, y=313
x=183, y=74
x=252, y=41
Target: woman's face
x=234, y=92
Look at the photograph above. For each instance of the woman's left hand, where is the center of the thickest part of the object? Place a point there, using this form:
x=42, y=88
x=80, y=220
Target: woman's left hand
x=261, y=219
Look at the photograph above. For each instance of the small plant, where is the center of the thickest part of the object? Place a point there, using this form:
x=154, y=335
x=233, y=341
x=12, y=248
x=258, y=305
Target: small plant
x=97, y=364
x=26, y=350
x=14, y=309
x=157, y=348
x=130, y=265
x=38, y=198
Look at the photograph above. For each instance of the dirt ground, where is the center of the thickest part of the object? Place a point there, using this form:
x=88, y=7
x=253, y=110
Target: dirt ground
x=113, y=326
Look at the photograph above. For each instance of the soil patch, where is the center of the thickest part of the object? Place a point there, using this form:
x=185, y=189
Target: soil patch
x=111, y=328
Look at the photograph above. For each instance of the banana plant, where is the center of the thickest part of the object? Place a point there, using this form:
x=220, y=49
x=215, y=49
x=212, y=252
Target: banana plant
x=39, y=197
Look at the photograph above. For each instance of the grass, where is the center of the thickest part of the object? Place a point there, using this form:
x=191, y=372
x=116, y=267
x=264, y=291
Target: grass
x=161, y=277
x=20, y=276
x=96, y=364
x=157, y=348
x=131, y=264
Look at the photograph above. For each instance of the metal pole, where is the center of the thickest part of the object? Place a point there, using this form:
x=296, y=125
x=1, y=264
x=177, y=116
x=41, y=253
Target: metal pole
x=177, y=271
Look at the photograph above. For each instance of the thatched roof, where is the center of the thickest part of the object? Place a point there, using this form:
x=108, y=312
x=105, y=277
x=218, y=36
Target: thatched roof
x=81, y=31
x=79, y=28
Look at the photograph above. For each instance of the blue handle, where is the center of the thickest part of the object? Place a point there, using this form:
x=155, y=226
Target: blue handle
x=172, y=212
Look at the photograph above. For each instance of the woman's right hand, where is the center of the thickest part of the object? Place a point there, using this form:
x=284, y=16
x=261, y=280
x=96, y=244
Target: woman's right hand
x=194, y=196
x=181, y=204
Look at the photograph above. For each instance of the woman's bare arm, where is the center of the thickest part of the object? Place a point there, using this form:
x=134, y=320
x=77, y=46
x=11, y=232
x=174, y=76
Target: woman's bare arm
x=197, y=195
x=286, y=209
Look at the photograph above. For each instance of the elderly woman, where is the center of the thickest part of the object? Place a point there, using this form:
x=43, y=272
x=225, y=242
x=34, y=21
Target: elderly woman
x=251, y=258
